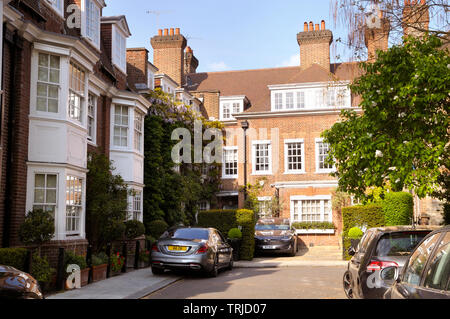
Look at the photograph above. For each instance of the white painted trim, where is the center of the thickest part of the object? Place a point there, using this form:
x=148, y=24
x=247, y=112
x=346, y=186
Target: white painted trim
x=307, y=184
x=316, y=157
x=258, y=142
x=295, y=112
x=264, y=198
x=320, y=198
x=294, y=172
x=230, y=148
x=227, y=193
x=307, y=85
x=314, y=231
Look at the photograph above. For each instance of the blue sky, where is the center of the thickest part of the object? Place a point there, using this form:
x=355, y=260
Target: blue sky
x=231, y=34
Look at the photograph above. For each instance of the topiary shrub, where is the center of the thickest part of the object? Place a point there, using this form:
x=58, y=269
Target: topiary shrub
x=398, y=208
x=37, y=228
x=134, y=229
x=72, y=259
x=234, y=233
x=246, y=219
x=14, y=257
x=156, y=228
x=355, y=233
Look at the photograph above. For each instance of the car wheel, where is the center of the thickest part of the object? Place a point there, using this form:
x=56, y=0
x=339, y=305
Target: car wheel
x=215, y=270
x=348, y=285
x=157, y=271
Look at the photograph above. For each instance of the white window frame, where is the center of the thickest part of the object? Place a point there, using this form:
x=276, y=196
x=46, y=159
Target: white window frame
x=93, y=137
x=289, y=100
x=204, y=205
x=230, y=176
x=318, y=169
x=302, y=198
x=254, y=145
x=135, y=208
x=278, y=101
x=300, y=99
x=94, y=39
x=57, y=6
x=119, y=56
x=80, y=94
x=263, y=199
x=286, y=157
x=120, y=125
x=47, y=83
x=34, y=202
x=138, y=130
x=235, y=104
x=77, y=218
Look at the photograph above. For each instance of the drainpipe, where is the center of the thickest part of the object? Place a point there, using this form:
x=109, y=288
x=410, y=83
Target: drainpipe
x=245, y=126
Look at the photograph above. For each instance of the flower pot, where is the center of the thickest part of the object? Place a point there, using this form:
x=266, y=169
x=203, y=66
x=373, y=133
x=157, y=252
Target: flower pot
x=99, y=272
x=130, y=261
x=84, y=277
x=236, y=245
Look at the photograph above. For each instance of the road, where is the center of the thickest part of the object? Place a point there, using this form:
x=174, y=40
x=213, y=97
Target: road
x=255, y=283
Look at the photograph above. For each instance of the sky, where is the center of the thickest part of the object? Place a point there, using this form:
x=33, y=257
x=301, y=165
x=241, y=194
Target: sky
x=231, y=34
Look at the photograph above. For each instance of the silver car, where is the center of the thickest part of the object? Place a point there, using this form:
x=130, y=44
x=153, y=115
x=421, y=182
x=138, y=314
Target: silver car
x=198, y=249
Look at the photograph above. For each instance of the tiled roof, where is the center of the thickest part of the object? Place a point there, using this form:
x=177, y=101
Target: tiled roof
x=254, y=83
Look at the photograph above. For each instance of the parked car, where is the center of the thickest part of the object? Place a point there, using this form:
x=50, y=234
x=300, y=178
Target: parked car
x=16, y=284
x=378, y=249
x=426, y=274
x=197, y=249
x=275, y=235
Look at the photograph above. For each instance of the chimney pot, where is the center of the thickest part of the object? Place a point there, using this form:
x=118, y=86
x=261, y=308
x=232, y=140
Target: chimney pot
x=189, y=50
x=171, y=31
x=317, y=27
x=311, y=26
x=166, y=32
x=160, y=32
x=323, y=25
x=177, y=31
x=305, y=27
x=423, y=2
x=414, y=2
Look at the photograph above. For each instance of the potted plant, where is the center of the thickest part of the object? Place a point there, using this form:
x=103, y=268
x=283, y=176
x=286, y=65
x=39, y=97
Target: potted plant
x=117, y=261
x=144, y=258
x=355, y=235
x=99, y=266
x=235, y=238
x=73, y=259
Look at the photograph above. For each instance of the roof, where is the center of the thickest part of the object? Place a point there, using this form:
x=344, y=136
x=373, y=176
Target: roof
x=254, y=83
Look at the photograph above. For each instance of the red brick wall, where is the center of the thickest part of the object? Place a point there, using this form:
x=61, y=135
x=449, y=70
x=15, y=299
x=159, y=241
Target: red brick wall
x=137, y=69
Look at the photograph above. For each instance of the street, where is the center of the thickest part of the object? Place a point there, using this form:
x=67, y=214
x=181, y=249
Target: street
x=254, y=283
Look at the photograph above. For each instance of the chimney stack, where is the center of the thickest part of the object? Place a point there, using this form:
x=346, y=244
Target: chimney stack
x=315, y=45
x=416, y=16
x=168, y=54
x=376, y=35
x=190, y=61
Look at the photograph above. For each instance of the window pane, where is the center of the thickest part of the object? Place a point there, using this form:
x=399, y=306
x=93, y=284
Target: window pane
x=39, y=180
x=438, y=274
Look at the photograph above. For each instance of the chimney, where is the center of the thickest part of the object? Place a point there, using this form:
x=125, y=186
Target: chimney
x=315, y=45
x=416, y=18
x=376, y=35
x=168, y=54
x=137, y=70
x=190, y=61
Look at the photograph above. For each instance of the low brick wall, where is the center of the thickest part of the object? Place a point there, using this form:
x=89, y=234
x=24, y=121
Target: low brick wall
x=304, y=240
x=50, y=250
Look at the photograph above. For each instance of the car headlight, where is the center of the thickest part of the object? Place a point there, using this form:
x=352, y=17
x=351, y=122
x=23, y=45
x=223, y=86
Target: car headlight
x=286, y=238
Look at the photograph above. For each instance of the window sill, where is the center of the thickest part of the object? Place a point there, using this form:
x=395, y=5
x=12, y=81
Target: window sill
x=314, y=231
x=230, y=177
x=294, y=173
x=262, y=174
x=325, y=172
x=92, y=143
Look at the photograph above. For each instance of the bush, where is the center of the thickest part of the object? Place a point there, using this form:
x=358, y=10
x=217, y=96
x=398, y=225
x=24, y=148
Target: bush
x=314, y=225
x=234, y=233
x=156, y=228
x=224, y=220
x=14, y=257
x=355, y=233
x=72, y=259
x=41, y=270
x=134, y=229
x=38, y=228
x=99, y=259
x=398, y=208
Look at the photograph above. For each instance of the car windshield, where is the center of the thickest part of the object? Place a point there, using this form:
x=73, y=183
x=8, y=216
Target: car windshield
x=271, y=227
x=187, y=233
x=398, y=244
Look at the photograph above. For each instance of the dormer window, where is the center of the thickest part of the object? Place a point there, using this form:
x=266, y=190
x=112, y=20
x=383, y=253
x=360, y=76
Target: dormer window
x=57, y=5
x=92, y=18
x=229, y=106
x=119, y=49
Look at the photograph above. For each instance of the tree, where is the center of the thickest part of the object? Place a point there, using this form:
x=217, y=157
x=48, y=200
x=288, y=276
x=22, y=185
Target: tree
x=401, y=137
x=106, y=203
x=416, y=17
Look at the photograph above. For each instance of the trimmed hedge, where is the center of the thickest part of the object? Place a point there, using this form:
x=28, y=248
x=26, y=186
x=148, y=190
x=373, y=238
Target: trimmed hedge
x=156, y=228
x=398, y=208
x=314, y=225
x=14, y=257
x=224, y=220
x=358, y=216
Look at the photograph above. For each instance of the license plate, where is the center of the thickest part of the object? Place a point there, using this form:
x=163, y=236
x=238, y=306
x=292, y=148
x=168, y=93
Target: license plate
x=177, y=248
x=269, y=247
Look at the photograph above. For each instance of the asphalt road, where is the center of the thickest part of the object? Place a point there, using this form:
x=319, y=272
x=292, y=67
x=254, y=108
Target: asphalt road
x=255, y=283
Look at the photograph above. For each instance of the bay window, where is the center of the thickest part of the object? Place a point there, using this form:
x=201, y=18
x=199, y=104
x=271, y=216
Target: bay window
x=48, y=83
x=45, y=192
x=138, y=125
x=120, y=126
x=92, y=111
x=119, y=50
x=92, y=21
x=310, y=210
x=77, y=79
x=58, y=5
x=74, y=204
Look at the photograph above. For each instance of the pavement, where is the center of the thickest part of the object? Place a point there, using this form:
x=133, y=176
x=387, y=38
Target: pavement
x=136, y=284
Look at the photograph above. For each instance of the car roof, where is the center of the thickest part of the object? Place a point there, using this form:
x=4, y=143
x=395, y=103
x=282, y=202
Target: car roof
x=392, y=229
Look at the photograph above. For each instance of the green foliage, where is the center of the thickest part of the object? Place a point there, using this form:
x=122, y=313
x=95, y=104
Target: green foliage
x=38, y=228
x=398, y=208
x=156, y=228
x=106, y=203
x=224, y=220
x=234, y=233
x=170, y=194
x=402, y=135
x=134, y=229
x=41, y=270
x=314, y=225
x=117, y=261
x=99, y=259
x=446, y=214
x=14, y=257
x=71, y=258
x=368, y=216
x=355, y=233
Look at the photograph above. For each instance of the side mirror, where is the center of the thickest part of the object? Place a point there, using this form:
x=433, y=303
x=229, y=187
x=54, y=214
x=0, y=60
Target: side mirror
x=390, y=274
x=351, y=251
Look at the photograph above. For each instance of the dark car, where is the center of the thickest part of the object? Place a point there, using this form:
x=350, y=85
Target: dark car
x=16, y=284
x=275, y=235
x=197, y=249
x=426, y=274
x=378, y=249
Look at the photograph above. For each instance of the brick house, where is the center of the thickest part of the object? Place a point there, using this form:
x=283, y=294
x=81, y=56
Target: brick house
x=65, y=93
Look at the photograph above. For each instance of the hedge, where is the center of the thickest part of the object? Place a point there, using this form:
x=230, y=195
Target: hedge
x=224, y=220
x=358, y=216
x=398, y=208
x=314, y=225
x=14, y=257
